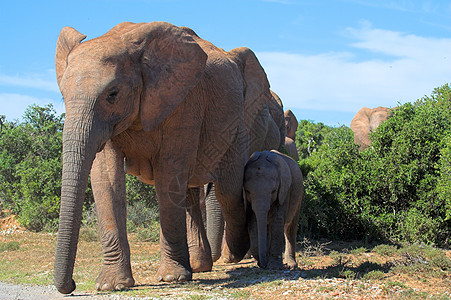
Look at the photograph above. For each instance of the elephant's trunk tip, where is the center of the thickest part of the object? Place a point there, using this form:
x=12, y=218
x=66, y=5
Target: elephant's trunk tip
x=66, y=288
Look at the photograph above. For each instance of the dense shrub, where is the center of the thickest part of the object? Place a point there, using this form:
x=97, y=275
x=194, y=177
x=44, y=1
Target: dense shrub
x=31, y=166
x=398, y=189
x=139, y=192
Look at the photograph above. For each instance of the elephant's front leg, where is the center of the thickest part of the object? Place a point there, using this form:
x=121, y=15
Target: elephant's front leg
x=276, y=238
x=171, y=193
x=199, y=248
x=108, y=185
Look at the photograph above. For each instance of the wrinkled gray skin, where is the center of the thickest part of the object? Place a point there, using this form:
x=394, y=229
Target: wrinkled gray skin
x=155, y=101
x=271, y=126
x=366, y=121
x=273, y=187
x=291, y=124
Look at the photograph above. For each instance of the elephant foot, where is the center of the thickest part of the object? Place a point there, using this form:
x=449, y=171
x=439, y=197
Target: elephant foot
x=275, y=265
x=111, y=279
x=200, y=262
x=227, y=256
x=230, y=257
x=175, y=272
x=248, y=255
x=290, y=264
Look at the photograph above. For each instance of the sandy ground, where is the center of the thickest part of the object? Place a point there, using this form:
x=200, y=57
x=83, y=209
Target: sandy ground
x=10, y=291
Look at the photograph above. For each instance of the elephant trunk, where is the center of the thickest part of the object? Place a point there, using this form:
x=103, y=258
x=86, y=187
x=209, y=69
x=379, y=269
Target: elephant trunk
x=79, y=150
x=262, y=227
x=215, y=223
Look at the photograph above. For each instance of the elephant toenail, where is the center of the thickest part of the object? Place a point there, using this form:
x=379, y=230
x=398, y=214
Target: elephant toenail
x=169, y=278
x=106, y=287
x=120, y=287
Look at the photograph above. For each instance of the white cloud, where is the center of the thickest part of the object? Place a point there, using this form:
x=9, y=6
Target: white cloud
x=46, y=81
x=413, y=66
x=14, y=105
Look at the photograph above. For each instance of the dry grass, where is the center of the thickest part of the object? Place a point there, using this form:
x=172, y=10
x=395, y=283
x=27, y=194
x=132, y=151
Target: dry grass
x=327, y=271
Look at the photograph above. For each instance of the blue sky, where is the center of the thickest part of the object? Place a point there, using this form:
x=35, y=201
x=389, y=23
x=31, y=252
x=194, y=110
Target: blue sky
x=325, y=58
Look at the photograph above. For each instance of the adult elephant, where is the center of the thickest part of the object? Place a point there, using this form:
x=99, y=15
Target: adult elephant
x=155, y=101
x=365, y=121
x=291, y=124
x=267, y=132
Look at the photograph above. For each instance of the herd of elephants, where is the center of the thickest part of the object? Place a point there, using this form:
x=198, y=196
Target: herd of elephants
x=200, y=124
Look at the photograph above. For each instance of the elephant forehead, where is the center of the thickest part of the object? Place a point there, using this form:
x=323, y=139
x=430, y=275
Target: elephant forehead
x=87, y=78
x=101, y=49
x=260, y=172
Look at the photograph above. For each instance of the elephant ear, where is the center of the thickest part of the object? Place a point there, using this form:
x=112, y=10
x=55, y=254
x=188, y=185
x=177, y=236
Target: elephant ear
x=360, y=125
x=68, y=39
x=378, y=116
x=172, y=63
x=256, y=85
x=292, y=125
x=284, y=176
x=254, y=157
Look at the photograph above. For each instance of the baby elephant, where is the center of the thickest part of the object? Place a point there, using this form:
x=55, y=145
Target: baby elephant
x=273, y=187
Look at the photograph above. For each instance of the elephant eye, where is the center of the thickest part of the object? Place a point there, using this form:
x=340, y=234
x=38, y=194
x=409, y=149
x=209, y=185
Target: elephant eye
x=112, y=97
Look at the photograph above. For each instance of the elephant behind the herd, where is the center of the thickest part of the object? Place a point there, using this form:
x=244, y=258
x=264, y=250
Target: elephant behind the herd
x=173, y=110
x=365, y=121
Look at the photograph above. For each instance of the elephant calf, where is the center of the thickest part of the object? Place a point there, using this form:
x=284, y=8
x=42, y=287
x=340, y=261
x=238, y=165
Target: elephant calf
x=273, y=187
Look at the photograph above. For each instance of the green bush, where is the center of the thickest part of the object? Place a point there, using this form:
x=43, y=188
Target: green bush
x=138, y=191
x=385, y=250
x=30, y=167
x=398, y=189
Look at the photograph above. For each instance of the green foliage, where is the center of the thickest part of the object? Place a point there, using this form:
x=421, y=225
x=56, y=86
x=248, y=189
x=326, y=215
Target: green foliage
x=30, y=167
x=374, y=275
x=141, y=215
x=143, y=219
x=9, y=246
x=138, y=191
x=385, y=250
x=399, y=189
x=443, y=188
x=142, y=211
x=88, y=234
x=347, y=274
x=420, y=257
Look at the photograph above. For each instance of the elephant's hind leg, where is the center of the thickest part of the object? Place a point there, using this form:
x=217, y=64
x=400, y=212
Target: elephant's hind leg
x=199, y=248
x=290, y=245
x=108, y=185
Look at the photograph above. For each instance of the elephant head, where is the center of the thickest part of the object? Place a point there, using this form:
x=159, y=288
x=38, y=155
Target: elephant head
x=267, y=180
x=365, y=121
x=134, y=75
x=291, y=123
